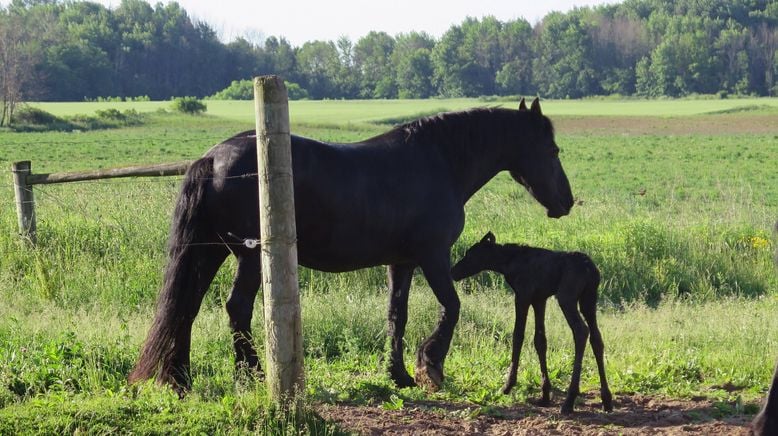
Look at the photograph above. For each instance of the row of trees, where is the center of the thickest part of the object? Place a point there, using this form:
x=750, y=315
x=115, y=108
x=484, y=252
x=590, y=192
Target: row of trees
x=54, y=50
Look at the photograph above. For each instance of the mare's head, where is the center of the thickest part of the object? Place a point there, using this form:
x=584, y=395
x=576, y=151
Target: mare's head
x=480, y=257
x=537, y=166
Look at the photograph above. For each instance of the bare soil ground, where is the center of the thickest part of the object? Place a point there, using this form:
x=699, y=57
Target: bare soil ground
x=632, y=415
x=706, y=125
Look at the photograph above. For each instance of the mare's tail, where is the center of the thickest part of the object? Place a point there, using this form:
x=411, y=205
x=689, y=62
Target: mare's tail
x=766, y=422
x=165, y=354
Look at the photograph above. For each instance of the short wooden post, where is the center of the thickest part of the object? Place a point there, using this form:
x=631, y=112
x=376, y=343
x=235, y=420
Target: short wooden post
x=283, y=321
x=25, y=201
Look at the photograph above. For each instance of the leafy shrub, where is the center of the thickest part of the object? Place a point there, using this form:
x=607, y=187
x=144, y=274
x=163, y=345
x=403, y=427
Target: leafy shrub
x=238, y=90
x=244, y=90
x=129, y=117
x=33, y=119
x=189, y=105
x=295, y=91
x=34, y=116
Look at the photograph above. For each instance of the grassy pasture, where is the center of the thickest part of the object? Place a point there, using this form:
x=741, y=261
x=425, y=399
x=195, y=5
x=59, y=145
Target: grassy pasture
x=676, y=206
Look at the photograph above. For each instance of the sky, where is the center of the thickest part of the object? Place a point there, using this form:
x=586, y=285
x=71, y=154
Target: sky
x=308, y=20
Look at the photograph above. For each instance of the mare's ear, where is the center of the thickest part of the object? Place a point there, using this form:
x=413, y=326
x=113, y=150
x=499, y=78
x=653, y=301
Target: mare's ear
x=535, y=107
x=489, y=237
x=522, y=105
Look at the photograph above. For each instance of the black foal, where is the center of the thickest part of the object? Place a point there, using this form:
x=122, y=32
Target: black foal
x=536, y=274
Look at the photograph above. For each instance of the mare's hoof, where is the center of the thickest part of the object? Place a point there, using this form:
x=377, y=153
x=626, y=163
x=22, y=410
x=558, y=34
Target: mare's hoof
x=544, y=402
x=506, y=389
x=430, y=377
x=566, y=409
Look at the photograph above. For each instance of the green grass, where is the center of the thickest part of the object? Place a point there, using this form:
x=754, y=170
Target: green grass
x=679, y=225
x=342, y=112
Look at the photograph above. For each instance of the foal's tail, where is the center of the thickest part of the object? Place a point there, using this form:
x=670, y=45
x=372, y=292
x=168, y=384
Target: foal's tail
x=166, y=350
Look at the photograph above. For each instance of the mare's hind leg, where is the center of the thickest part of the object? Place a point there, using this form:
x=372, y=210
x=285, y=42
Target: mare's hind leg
x=519, y=324
x=589, y=310
x=209, y=259
x=240, y=307
x=539, y=307
x=568, y=302
x=399, y=280
x=432, y=352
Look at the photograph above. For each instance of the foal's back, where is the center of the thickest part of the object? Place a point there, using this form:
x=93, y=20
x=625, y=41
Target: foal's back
x=543, y=271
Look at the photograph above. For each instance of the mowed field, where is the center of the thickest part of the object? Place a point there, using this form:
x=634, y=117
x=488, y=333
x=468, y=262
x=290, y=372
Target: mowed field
x=675, y=203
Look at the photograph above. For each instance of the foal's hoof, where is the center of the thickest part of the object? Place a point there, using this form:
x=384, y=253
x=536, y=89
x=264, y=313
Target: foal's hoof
x=607, y=403
x=566, y=409
x=430, y=377
x=402, y=379
x=245, y=373
x=543, y=402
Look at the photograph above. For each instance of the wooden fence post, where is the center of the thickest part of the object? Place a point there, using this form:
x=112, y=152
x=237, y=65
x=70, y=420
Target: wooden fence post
x=278, y=234
x=25, y=201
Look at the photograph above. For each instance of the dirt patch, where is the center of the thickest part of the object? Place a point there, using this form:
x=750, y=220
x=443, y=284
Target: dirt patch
x=632, y=415
x=701, y=124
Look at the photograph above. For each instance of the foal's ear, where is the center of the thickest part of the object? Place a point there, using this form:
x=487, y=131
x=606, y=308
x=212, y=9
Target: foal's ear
x=522, y=105
x=489, y=237
x=535, y=107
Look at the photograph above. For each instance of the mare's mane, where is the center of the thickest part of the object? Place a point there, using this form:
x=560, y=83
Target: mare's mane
x=449, y=129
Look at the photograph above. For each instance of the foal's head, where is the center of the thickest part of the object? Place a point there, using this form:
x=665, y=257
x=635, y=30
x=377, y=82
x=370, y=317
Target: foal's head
x=481, y=256
x=537, y=166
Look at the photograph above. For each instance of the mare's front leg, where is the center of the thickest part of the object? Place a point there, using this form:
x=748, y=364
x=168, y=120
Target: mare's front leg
x=539, y=307
x=432, y=352
x=521, y=306
x=240, y=307
x=399, y=280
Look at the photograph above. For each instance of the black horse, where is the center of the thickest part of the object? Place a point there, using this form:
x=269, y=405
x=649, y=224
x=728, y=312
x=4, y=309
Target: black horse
x=396, y=199
x=766, y=421
x=535, y=274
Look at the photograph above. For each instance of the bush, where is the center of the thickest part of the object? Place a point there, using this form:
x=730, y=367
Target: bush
x=295, y=91
x=34, y=116
x=189, y=105
x=244, y=90
x=31, y=119
x=130, y=117
x=238, y=90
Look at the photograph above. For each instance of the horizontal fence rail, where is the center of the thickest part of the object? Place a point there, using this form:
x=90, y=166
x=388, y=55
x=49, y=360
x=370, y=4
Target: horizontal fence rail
x=170, y=169
x=24, y=180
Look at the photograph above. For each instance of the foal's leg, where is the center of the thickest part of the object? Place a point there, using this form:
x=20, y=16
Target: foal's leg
x=589, y=311
x=432, y=353
x=568, y=302
x=399, y=280
x=521, y=308
x=539, y=308
x=240, y=307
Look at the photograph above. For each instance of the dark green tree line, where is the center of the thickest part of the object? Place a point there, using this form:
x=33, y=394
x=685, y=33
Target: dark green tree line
x=76, y=50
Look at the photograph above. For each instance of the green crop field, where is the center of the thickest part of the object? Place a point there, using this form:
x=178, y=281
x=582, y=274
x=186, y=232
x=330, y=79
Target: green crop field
x=675, y=203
